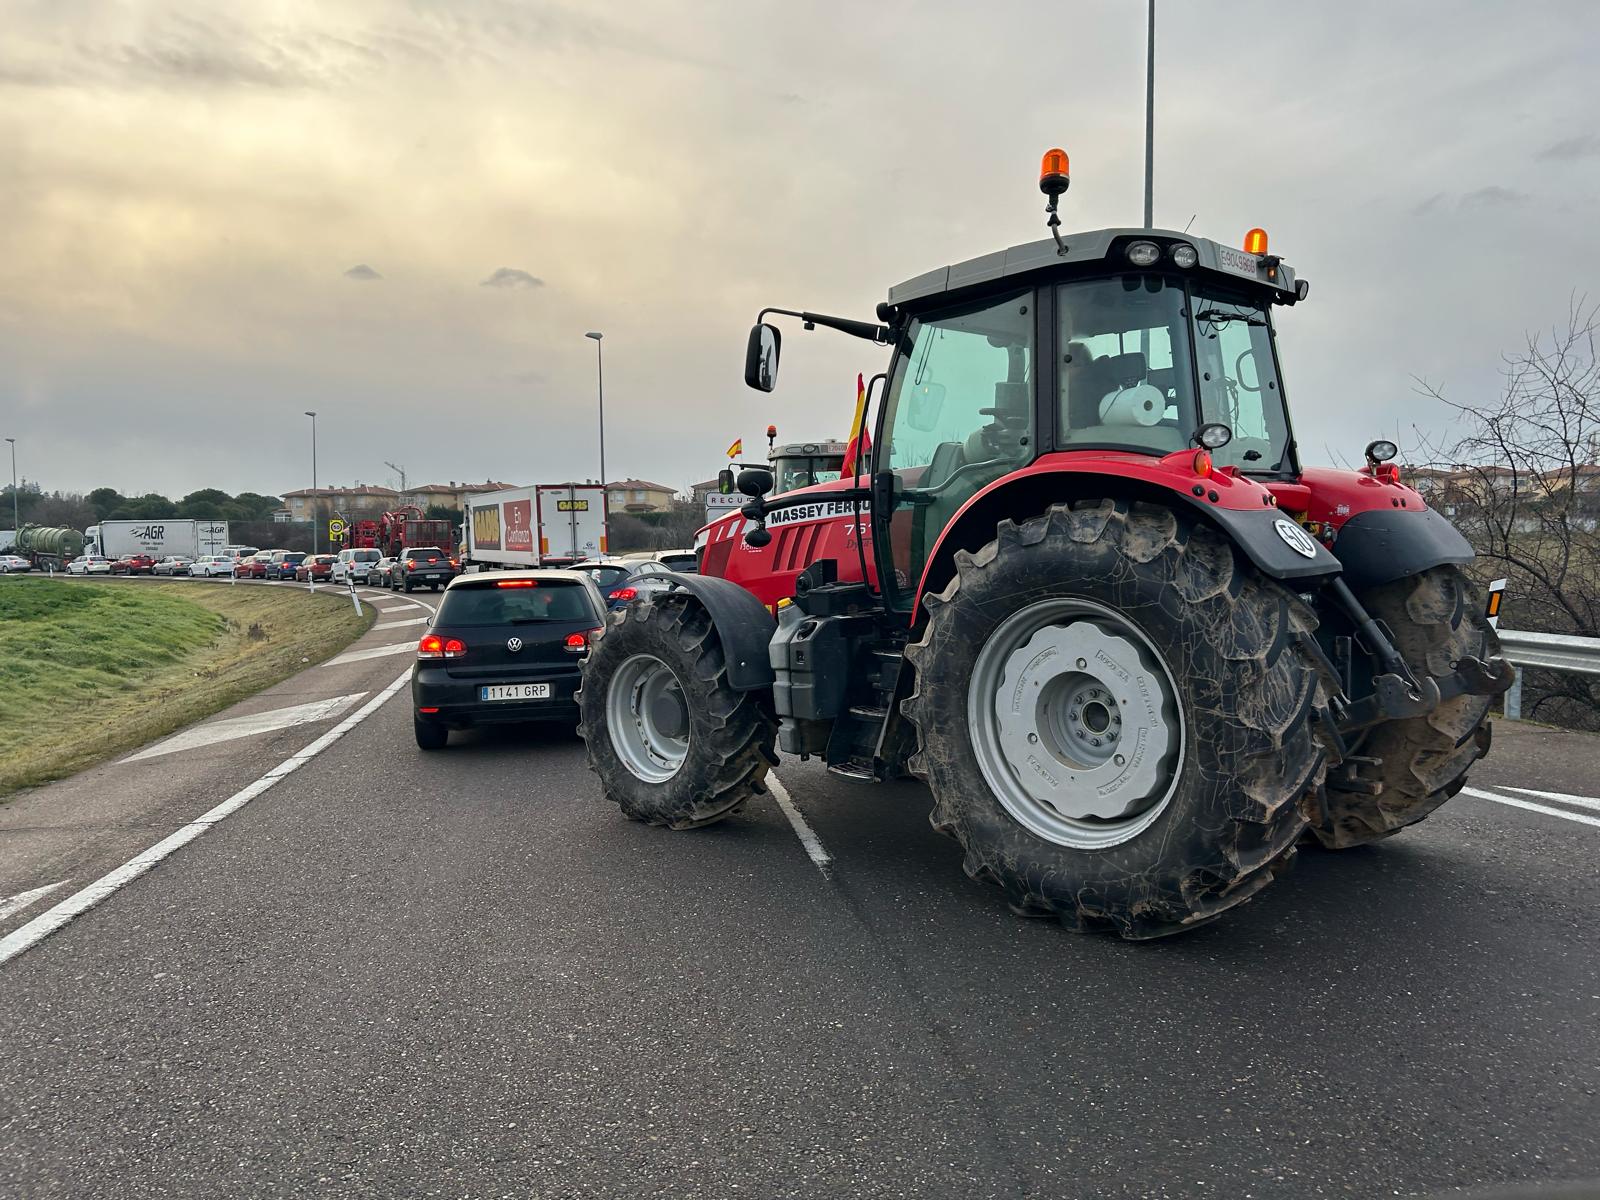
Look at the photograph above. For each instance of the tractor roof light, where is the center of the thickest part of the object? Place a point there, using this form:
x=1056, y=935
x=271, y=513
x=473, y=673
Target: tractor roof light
x=1213, y=436
x=1143, y=253
x=1184, y=256
x=1055, y=174
x=1255, y=242
x=1381, y=451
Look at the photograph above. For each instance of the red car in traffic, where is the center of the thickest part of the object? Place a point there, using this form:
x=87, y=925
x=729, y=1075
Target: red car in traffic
x=254, y=567
x=134, y=564
x=315, y=566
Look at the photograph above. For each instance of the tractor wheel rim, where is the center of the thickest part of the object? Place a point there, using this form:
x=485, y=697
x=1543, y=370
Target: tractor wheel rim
x=1076, y=724
x=645, y=748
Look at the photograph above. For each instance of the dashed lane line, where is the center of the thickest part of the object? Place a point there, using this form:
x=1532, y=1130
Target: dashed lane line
x=1513, y=802
x=249, y=725
x=52, y=919
x=11, y=905
x=398, y=624
x=1564, y=797
x=808, y=836
x=350, y=656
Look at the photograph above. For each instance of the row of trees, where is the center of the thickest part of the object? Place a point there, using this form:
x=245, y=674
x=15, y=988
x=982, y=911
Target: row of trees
x=78, y=511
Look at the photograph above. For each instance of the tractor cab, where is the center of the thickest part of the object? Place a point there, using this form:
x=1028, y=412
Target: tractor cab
x=805, y=464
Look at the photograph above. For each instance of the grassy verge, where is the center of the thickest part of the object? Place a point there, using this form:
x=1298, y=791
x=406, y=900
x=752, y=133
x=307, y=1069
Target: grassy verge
x=89, y=670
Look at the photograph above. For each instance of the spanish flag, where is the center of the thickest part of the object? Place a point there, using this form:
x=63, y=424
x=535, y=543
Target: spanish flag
x=736, y=449
x=858, y=447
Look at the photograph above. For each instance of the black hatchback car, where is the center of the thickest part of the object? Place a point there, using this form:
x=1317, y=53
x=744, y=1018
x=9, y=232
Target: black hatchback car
x=423, y=566
x=503, y=647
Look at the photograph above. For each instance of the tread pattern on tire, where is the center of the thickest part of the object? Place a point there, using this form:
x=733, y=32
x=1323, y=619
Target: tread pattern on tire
x=732, y=734
x=1435, y=620
x=1275, y=697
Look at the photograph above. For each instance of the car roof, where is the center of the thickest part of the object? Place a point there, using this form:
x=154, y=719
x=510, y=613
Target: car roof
x=550, y=574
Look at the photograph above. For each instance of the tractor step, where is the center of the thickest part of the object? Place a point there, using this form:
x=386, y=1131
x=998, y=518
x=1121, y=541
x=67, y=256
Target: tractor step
x=853, y=769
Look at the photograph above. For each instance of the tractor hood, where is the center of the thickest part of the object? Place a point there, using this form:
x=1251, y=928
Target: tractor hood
x=1102, y=250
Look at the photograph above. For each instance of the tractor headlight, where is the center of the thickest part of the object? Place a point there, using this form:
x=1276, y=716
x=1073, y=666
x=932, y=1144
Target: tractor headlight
x=1213, y=436
x=1381, y=451
x=1143, y=254
x=1184, y=255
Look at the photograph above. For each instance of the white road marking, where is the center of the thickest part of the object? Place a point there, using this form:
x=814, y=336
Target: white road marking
x=15, y=904
x=47, y=922
x=350, y=656
x=398, y=624
x=249, y=725
x=1532, y=807
x=807, y=835
x=1564, y=797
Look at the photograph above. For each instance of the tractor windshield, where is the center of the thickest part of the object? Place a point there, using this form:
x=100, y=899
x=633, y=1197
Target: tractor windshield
x=1239, y=383
x=1145, y=362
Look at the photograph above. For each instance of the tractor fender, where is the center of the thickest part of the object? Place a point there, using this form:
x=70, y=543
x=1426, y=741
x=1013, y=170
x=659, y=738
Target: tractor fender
x=744, y=624
x=1384, y=544
x=1277, y=545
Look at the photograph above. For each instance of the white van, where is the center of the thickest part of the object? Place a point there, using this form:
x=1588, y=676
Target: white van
x=355, y=564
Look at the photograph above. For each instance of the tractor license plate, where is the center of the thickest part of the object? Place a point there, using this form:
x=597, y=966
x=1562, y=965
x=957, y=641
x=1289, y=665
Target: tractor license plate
x=1238, y=262
x=515, y=691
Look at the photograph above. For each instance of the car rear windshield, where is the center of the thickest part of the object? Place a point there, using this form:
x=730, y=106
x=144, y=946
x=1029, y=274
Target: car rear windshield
x=606, y=576
x=498, y=604
x=293, y=558
x=426, y=553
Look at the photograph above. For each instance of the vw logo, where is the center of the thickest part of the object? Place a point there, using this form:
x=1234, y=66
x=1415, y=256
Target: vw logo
x=514, y=644
x=1295, y=538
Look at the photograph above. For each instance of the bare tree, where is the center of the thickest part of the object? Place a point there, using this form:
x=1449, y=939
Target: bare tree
x=1523, y=484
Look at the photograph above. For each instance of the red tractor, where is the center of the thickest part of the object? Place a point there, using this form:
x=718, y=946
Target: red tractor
x=1084, y=588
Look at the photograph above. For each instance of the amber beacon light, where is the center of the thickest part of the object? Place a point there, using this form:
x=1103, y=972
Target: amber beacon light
x=1255, y=242
x=1054, y=172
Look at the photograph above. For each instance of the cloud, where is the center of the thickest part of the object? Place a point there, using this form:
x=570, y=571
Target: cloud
x=1585, y=145
x=1493, y=196
x=362, y=273
x=1428, y=205
x=511, y=277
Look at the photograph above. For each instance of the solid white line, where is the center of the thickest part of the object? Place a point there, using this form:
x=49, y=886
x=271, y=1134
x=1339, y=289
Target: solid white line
x=350, y=656
x=15, y=904
x=249, y=725
x=807, y=835
x=1532, y=807
x=1564, y=797
x=398, y=624
x=47, y=922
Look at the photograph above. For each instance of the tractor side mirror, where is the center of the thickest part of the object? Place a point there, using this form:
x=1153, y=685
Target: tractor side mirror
x=755, y=481
x=725, y=482
x=761, y=357
x=924, y=406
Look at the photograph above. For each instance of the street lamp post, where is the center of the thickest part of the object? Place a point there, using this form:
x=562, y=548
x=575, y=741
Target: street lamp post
x=16, y=518
x=1150, y=120
x=600, y=379
x=314, y=543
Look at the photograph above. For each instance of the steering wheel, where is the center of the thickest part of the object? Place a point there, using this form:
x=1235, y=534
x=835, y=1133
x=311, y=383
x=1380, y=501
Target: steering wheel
x=1238, y=373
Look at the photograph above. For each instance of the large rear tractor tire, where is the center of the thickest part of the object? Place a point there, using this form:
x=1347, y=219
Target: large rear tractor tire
x=1436, y=618
x=1119, y=718
x=672, y=742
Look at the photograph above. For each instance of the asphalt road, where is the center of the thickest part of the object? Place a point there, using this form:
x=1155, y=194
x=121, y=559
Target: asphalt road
x=465, y=974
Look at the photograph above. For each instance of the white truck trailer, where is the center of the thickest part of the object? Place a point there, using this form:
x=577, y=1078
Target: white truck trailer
x=158, y=539
x=548, y=525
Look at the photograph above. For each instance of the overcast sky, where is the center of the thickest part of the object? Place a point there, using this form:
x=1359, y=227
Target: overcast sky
x=406, y=215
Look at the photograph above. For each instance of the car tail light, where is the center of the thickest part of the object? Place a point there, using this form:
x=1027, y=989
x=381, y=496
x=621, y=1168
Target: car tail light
x=625, y=593
x=577, y=643
x=454, y=565
x=427, y=710
x=518, y=583
x=411, y=564
x=434, y=646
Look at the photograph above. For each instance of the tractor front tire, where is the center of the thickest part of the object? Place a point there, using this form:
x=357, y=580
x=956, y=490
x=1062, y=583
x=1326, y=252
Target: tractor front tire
x=1119, y=718
x=1436, y=619
x=671, y=740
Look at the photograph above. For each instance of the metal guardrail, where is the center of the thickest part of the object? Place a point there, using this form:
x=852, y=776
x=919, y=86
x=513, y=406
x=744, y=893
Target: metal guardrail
x=1551, y=651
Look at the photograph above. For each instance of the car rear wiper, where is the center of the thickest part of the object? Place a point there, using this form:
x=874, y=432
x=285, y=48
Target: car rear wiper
x=1215, y=316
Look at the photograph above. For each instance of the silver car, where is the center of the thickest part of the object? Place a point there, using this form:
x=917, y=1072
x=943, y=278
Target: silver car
x=172, y=564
